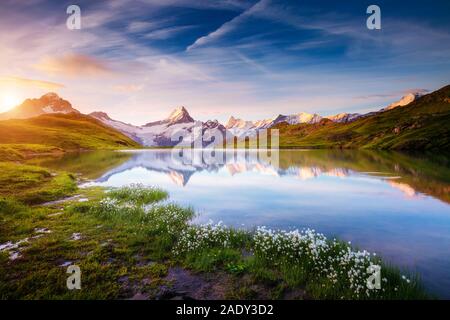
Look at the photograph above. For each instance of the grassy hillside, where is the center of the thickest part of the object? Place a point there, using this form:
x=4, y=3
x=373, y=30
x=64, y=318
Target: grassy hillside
x=66, y=132
x=48, y=135
x=18, y=152
x=423, y=124
x=32, y=184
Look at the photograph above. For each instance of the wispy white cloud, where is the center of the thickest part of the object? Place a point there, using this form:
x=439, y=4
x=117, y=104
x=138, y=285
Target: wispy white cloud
x=71, y=65
x=252, y=63
x=142, y=26
x=393, y=94
x=166, y=33
x=10, y=81
x=210, y=4
x=229, y=25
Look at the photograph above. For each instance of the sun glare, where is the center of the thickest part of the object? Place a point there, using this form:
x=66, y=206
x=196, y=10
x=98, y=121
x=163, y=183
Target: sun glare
x=8, y=101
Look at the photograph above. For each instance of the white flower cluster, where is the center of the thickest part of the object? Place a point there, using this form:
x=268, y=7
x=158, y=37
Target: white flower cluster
x=314, y=253
x=406, y=279
x=290, y=244
x=109, y=202
x=109, y=206
x=333, y=263
x=167, y=218
x=208, y=235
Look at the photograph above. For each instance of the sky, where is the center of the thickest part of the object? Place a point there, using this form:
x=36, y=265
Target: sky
x=253, y=59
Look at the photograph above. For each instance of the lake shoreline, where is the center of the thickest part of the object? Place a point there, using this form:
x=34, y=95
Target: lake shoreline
x=215, y=275
x=225, y=274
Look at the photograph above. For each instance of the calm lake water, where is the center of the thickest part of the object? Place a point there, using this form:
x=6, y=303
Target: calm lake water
x=393, y=204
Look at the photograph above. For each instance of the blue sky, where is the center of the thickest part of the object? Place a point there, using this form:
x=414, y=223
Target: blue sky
x=137, y=60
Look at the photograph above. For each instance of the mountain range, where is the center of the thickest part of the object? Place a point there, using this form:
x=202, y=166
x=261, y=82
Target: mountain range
x=163, y=132
x=419, y=125
x=180, y=124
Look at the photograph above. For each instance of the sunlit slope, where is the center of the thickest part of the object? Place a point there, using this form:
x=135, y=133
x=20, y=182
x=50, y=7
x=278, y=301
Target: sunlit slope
x=68, y=132
x=423, y=124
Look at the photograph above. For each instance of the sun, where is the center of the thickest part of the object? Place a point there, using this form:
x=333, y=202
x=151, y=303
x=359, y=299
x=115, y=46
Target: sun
x=8, y=101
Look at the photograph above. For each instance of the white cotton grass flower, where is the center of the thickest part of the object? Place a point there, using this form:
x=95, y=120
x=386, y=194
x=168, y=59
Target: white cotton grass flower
x=312, y=250
x=207, y=235
x=305, y=249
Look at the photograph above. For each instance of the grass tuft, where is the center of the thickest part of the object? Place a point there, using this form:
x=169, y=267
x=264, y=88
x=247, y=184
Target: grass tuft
x=138, y=195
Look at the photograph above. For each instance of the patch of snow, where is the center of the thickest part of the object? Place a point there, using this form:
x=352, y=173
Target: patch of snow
x=50, y=203
x=75, y=236
x=344, y=117
x=55, y=214
x=12, y=245
x=42, y=230
x=302, y=117
x=14, y=255
x=65, y=264
x=49, y=109
x=12, y=248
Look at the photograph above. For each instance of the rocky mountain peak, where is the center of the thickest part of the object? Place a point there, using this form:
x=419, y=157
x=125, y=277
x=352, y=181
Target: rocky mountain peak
x=177, y=116
x=51, y=96
x=48, y=103
x=231, y=122
x=344, y=117
x=237, y=123
x=53, y=103
x=180, y=115
x=100, y=115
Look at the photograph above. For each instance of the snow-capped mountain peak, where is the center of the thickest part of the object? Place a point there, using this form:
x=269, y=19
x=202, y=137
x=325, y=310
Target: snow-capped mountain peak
x=48, y=103
x=298, y=118
x=167, y=132
x=180, y=115
x=55, y=104
x=51, y=96
x=344, y=117
x=303, y=117
x=241, y=128
x=238, y=123
x=405, y=100
x=232, y=122
x=349, y=117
